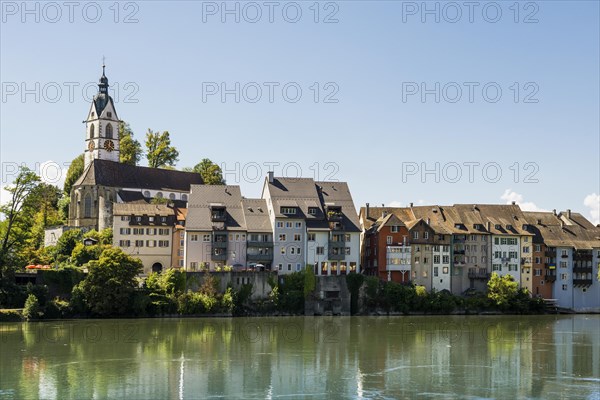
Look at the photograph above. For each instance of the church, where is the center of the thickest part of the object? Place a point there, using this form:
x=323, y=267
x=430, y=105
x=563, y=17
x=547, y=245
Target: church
x=106, y=181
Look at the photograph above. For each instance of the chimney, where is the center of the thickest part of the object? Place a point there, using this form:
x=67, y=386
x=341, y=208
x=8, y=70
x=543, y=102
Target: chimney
x=411, y=204
x=271, y=176
x=539, y=221
x=568, y=213
x=368, y=208
x=554, y=211
x=514, y=202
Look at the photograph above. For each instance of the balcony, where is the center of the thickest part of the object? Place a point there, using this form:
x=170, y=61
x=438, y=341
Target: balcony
x=582, y=257
x=253, y=243
x=335, y=216
x=585, y=270
x=337, y=257
x=564, y=256
x=218, y=217
x=550, y=265
x=459, y=252
x=336, y=226
x=478, y=273
x=219, y=245
x=550, y=277
x=582, y=282
x=259, y=257
x=550, y=253
x=219, y=257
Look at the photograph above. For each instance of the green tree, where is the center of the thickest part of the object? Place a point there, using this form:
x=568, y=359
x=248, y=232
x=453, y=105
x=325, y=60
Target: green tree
x=211, y=173
x=159, y=151
x=502, y=291
x=73, y=173
x=18, y=212
x=310, y=281
x=130, y=150
x=32, y=308
x=67, y=242
x=110, y=286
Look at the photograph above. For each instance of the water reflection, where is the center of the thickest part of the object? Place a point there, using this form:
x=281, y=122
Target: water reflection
x=396, y=357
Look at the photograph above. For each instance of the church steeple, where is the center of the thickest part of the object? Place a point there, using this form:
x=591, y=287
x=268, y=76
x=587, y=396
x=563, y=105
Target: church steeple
x=102, y=126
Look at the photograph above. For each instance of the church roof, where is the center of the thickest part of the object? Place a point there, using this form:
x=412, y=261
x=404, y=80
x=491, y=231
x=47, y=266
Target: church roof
x=118, y=175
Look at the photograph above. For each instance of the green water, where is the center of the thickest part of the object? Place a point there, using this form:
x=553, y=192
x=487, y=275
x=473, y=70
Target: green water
x=542, y=357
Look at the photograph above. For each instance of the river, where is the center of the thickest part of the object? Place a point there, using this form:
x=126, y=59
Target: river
x=477, y=357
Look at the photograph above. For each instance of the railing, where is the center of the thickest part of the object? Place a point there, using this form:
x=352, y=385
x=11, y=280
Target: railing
x=459, y=252
x=550, y=277
x=259, y=257
x=219, y=245
x=220, y=217
x=337, y=257
x=219, y=257
x=255, y=243
x=586, y=270
x=582, y=282
x=478, y=274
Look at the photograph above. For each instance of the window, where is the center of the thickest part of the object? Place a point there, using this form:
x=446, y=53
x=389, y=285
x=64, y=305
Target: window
x=415, y=235
x=150, y=219
x=138, y=231
x=564, y=253
x=473, y=259
x=163, y=231
x=564, y=287
x=163, y=243
x=424, y=274
x=446, y=259
x=109, y=114
x=288, y=211
x=92, y=131
x=150, y=243
x=483, y=259
x=184, y=197
x=436, y=260
x=425, y=235
x=347, y=237
x=171, y=196
x=87, y=206
x=288, y=225
x=125, y=231
x=435, y=271
x=563, y=277
x=193, y=265
x=312, y=237
x=496, y=267
x=389, y=240
x=180, y=263
x=109, y=131
x=312, y=210
x=289, y=267
x=538, y=247
x=417, y=260
x=124, y=243
x=125, y=218
x=282, y=250
x=298, y=225
x=563, y=264
x=445, y=270
x=320, y=250
x=280, y=267
x=347, y=251
x=139, y=243
x=194, y=237
x=146, y=193
x=496, y=241
x=395, y=229
x=297, y=267
x=159, y=195
x=282, y=237
x=280, y=224
x=425, y=260
x=205, y=238
x=292, y=250
x=526, y=249
x=297, y=237
x=537, y=272
x=151, y=231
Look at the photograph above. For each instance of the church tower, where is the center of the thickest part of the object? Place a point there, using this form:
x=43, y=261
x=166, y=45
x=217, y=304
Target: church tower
x=102, y=127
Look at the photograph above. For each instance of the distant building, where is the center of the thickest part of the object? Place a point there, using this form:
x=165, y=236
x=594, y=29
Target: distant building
x=145, y=231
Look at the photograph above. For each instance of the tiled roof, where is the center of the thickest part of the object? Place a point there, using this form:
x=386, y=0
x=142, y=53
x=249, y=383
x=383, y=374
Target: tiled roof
x=256, y=215
x=199, y=207
x=142, y=209
x=119, y=175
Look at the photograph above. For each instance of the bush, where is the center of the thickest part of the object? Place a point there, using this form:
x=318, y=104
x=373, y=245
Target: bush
x=10, y=316
x=57, y=308
x=32, y=308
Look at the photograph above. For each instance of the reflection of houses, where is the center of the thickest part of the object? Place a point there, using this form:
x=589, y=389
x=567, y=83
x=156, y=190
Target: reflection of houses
x=145, y=231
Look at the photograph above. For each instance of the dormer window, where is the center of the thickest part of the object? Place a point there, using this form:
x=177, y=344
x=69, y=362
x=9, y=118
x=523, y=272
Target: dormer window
x=288, y=210
x=497, y=226
x=509, y=227
x=313, y=210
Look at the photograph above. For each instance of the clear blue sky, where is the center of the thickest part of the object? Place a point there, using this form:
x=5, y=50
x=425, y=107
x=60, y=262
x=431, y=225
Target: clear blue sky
x=371, y=55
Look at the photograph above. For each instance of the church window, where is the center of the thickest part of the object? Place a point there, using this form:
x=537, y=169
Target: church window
x=109, y=131
x=92, y=131
x=184, y=197
x=159, y=195
x=172, y=196
x=87, y=206
x=146, y=193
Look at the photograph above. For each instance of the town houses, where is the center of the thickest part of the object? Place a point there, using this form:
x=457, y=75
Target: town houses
x=171, y=219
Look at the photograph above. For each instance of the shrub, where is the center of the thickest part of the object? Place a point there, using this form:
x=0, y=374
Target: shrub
x=32, y=308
